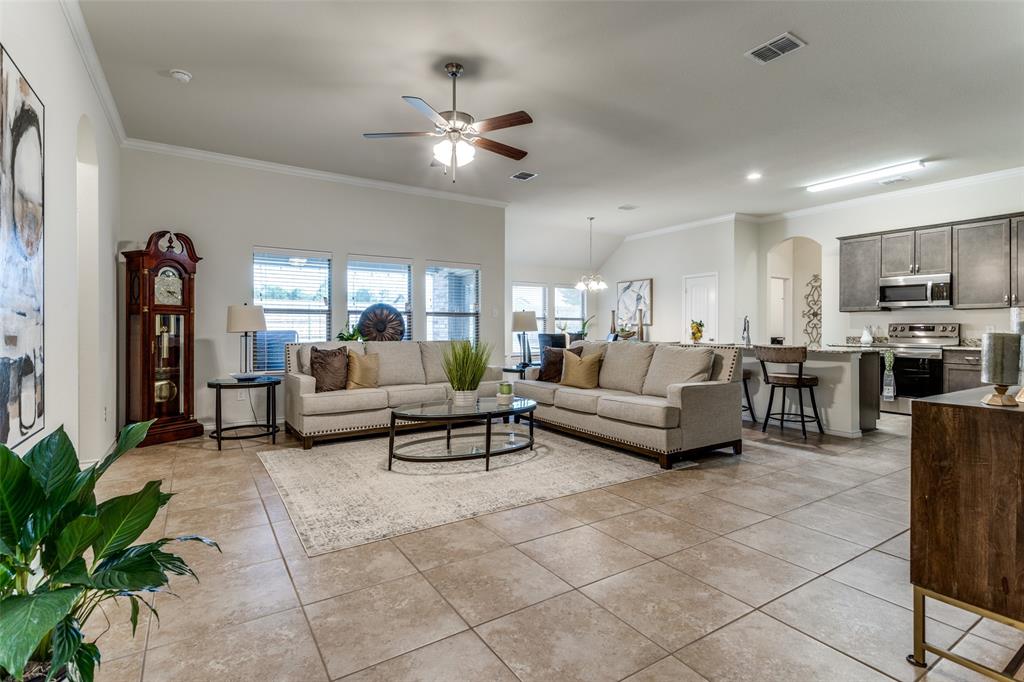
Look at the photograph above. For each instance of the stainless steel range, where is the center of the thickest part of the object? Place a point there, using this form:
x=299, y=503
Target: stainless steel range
x=918, y=363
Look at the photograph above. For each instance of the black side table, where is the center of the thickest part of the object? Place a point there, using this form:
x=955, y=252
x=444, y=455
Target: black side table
x=270, y=428
x=521, y=371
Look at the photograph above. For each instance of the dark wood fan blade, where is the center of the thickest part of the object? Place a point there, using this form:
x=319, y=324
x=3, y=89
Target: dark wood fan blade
x=516, y=118
x=427, y=110
x=498, y=148
x=374, y=136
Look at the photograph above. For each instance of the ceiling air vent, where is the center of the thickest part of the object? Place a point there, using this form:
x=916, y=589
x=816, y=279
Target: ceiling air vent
x=775, y=48
x=523, y=176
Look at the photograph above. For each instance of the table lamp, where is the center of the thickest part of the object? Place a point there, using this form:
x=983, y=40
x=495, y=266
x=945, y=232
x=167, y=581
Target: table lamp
x=524, y=321
x=1000, y=365
x=245, y=319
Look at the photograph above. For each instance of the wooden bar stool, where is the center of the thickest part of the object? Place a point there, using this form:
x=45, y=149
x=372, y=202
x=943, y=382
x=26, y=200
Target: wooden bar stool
x=748, y=406
x=788, y=355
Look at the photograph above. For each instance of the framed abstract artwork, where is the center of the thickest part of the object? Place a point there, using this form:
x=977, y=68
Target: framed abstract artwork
x=21, y=256
x=633, y=295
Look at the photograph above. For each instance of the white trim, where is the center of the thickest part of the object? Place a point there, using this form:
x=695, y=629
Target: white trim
x=285, y=251
x=86, y=48
x=450, y=264
x=679, y=228
x=387, y=260
x=297, y=171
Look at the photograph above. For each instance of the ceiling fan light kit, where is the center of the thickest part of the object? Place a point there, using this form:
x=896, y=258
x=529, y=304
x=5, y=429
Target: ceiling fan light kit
x=460, y=132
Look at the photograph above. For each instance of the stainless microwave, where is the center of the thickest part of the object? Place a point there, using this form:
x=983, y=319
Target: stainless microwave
x=915, y=291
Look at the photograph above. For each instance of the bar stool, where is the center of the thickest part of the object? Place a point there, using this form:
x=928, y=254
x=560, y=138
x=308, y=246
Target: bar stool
x=788, y=355
x=748, y=406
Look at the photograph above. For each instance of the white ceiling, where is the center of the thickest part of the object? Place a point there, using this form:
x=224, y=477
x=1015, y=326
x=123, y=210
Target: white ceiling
x=647, y=103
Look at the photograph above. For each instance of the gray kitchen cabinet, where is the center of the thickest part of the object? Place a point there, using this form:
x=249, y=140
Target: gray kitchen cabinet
x=1017, y=261
x=961, y=369
x=932, y=250
x=859, y=266
x=898, y=254
x=981, y=264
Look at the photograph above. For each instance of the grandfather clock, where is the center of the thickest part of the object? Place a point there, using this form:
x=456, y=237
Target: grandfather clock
x=160, y=335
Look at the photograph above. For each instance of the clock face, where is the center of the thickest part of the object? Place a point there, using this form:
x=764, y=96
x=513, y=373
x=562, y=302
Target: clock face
x=167, y=289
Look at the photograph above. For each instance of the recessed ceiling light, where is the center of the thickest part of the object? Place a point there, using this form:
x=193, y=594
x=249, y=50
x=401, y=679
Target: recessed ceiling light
x=181, y=75
x=753, y=176
x=628, y=207
x=877, y=174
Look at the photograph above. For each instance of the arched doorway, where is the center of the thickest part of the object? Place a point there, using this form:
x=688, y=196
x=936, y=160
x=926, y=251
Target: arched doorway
x=794, y=291
x=90, y=431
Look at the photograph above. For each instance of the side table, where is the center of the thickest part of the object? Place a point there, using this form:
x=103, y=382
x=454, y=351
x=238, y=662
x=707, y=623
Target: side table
x=269, y=428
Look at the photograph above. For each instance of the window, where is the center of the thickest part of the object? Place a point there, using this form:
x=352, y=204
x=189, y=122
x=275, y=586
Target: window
x=530, y=297
x=294, y=288
x=373, y=281
x=453, y=303
x=570, y=308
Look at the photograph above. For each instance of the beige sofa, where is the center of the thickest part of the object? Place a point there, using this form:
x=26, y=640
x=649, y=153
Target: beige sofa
x=410, y=372
x=647, y=400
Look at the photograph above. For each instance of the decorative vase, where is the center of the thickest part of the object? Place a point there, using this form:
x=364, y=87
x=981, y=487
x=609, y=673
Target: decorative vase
x=1000, y=366
x=465, y=398
x=866, y=337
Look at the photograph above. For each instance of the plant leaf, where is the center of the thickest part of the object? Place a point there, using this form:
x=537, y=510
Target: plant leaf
x=83, y=667
x=75, y=573
x=53, y=463
x=130, y=437
x=66, y=639
x=130, y=572
x=135, y=612
x=75, y=537
x=20, y=496
x=25, y=620
x=123, y=519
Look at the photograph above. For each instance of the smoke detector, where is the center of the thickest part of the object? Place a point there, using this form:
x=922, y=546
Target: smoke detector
x=775, y=48
x=181, y=75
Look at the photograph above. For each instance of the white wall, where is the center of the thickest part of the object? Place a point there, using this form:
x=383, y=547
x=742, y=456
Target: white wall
x=963, y=199
x=227, y=210
x=38, y=38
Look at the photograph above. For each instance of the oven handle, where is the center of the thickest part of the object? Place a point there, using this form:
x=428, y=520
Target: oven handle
x=920, y=354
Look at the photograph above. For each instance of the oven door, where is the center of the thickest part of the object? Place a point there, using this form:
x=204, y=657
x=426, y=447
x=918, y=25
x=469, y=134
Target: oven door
x=914, y=291
x=917, y=374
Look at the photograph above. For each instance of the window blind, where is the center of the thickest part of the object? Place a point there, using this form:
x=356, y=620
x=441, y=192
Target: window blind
x=570, y=308
x=371, y=282
x=453, y=303
x=530, y=297
x=294, y=289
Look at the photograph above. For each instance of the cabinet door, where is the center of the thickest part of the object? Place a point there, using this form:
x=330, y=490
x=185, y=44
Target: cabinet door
x=898, y=254
x=932, y=249
x=960, y=377
x=859, y=264
x=981, y=265
x=1017, y=261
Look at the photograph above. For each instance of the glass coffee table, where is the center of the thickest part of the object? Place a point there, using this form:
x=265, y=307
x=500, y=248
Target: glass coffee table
x=459, y=446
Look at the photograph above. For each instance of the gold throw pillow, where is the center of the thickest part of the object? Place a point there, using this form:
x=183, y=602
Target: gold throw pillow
x=363, y=370
x=580, y=372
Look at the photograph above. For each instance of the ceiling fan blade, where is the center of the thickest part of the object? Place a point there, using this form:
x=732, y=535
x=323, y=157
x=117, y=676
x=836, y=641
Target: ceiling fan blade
x=427, y=110
x=516, y=118
x=373, y=136
x=498, y=148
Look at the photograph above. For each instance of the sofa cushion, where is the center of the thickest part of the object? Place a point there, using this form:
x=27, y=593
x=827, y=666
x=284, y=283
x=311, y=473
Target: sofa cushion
x=625, y=365
x=582, y=399
x=590, y=347
x=432, y=352
x=580, y=372
x=639, y=409
x=551, y=363
x=363, y=371
x=406, y=394
x=329, y=368
x=676, y=365
x=541, y=391
x=401, y=362
x=303, y=352
x=333, y=402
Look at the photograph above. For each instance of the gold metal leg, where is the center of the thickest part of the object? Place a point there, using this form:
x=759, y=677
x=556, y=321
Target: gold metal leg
x=917, y=658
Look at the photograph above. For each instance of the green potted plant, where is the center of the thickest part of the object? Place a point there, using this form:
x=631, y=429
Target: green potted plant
x=465, y=364
x=584, y=330
x=62, y=554
x=349, y=333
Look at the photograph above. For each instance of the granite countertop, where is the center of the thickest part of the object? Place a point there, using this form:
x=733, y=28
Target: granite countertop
x=831, y=350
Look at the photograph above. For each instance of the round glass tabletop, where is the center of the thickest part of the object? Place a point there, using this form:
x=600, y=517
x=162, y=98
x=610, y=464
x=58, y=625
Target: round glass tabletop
x=484, y=407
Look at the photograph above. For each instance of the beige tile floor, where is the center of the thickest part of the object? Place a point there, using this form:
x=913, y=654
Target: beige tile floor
x=788, y=563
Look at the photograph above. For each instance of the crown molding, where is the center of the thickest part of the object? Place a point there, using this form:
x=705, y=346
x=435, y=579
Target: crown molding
x=681, y=227
x=80, y=32
x=299, y=172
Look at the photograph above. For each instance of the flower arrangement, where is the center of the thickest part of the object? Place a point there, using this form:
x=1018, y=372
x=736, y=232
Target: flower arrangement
x=696, y=330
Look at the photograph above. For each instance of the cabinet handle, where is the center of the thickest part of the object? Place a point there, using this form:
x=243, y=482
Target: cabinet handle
x=878, y=302
x=1006, y=299
x=1014, y=299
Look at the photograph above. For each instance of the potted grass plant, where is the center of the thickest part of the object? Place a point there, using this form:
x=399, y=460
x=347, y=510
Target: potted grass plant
x=465, y=365
x=63, y=554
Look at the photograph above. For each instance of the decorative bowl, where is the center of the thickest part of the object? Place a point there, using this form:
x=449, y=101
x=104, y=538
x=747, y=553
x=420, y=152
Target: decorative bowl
x=245, y=376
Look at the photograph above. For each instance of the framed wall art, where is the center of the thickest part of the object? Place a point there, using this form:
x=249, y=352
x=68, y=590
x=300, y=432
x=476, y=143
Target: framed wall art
x=633, y=295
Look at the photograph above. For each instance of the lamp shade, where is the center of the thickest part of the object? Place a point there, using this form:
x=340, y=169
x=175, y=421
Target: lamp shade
x=246, y=318
x=524, y=321
x=1000, y=359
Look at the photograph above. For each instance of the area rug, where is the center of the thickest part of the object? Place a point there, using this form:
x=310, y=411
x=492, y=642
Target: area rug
x=340, y=495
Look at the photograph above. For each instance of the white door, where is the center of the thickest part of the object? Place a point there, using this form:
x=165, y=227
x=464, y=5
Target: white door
x=700, y=302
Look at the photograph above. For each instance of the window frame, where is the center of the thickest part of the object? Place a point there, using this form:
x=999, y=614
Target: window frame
x=475, y=315
x=409, y=311
x=542, y=318
x=554, y=307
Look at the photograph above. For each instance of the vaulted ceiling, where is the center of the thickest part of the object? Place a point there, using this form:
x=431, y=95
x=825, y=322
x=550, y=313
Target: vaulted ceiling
x=644, y=103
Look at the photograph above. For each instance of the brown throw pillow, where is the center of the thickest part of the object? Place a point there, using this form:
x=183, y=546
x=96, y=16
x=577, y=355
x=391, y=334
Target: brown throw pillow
x=329, y=368
x=551, y=363
x=580, y=372
x=363, y=370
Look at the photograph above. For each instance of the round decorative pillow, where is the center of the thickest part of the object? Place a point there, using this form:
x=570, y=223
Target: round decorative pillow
x=381, y=322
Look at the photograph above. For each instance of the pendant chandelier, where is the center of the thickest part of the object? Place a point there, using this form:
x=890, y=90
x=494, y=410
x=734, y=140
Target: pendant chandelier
x=591, y=281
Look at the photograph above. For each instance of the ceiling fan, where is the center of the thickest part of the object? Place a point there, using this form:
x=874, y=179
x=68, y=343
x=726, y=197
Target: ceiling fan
x=460, y=133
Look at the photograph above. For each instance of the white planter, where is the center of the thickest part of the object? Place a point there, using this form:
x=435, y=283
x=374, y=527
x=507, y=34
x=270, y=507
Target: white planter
x=465, y=398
